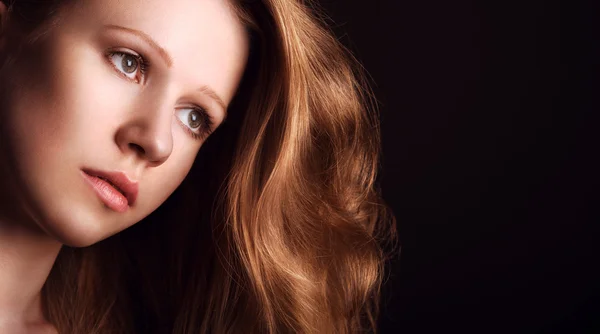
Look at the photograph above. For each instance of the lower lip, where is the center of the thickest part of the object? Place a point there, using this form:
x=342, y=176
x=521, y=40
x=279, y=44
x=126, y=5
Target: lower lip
x=107, y=193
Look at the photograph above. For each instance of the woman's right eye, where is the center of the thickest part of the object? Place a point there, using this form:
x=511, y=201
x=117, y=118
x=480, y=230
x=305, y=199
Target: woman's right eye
x=130, y=65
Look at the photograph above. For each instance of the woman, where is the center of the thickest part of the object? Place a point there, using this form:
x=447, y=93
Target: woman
x=275, y=226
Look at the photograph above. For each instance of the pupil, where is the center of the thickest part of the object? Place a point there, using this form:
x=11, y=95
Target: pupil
x=194, y=119
x=129, y=64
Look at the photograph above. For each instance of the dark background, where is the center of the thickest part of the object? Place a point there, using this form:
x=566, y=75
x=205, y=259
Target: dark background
x=489, y=160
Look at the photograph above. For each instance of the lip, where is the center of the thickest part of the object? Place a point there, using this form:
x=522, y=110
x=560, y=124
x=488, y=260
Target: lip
x=112, y=197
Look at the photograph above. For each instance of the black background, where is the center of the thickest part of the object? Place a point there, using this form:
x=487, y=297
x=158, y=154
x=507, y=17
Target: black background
x=489, y=160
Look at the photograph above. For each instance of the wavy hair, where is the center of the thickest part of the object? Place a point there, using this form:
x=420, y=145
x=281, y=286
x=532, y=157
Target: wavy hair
x=279, y=226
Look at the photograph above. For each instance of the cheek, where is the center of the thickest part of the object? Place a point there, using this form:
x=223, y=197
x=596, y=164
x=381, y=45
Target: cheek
x=70, y=105
x=160, y=182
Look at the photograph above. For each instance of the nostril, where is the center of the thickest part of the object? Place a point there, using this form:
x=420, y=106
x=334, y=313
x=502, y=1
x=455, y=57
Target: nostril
x=137, y=148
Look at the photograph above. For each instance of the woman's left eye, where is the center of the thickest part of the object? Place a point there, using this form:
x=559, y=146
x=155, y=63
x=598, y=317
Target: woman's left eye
x=130, y=65
x=197, y=121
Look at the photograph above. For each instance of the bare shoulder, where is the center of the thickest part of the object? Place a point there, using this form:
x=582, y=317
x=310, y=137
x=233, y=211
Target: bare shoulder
x=29, y=329
x=46, y=329
x=41, y=328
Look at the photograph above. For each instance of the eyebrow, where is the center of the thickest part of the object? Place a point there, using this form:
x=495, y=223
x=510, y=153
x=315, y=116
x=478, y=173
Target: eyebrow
x=206, y=90
x=161, y=51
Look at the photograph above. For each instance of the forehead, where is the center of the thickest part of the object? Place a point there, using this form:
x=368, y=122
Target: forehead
x=205, y=35
x=159, y=14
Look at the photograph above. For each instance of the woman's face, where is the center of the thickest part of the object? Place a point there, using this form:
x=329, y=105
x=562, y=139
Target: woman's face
x=119, y=89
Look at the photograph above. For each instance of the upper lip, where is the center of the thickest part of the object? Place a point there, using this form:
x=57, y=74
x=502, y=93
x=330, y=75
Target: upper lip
x=120, y=180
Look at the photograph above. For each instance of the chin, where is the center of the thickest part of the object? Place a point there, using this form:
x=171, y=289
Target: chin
x=77, y=228
x=75, y=235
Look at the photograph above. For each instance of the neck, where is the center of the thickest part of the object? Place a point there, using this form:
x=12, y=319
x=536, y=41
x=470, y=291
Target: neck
x=27, y=255
x=26, y=258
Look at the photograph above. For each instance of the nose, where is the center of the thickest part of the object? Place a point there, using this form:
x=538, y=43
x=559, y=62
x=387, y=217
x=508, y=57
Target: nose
x=148, y=134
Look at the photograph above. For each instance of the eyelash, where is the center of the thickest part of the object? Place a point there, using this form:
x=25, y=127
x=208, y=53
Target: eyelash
x=206, y=126
x=142, y=63
x=207, y=121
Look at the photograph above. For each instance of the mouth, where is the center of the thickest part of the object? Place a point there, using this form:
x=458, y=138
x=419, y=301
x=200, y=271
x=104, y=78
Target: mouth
x=112, y=184
x=115, y=189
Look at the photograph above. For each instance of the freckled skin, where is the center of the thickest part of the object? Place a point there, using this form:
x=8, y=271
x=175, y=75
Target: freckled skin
x=71, y=107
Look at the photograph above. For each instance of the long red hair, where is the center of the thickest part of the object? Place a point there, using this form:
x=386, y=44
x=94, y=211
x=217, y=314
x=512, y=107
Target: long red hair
x=279, y=226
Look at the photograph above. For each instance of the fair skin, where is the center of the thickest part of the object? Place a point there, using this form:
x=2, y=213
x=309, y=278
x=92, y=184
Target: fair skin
x=78, y=100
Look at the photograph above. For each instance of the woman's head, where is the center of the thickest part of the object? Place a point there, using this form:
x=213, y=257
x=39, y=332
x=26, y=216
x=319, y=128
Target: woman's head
x=276, y=230
x=133, y=87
